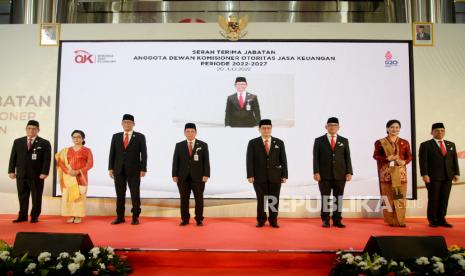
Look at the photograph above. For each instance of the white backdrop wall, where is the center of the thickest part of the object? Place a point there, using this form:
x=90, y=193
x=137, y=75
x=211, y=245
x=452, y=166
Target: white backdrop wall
x=28, y=76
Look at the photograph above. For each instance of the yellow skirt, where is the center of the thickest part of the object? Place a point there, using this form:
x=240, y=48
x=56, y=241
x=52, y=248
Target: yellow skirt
x=76, y=208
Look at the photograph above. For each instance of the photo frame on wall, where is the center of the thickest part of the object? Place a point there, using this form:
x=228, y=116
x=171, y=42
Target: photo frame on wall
x=423, y=33
x=49, y=34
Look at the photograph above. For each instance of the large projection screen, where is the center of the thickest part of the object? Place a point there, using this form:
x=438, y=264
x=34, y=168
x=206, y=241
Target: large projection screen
x=298, y=84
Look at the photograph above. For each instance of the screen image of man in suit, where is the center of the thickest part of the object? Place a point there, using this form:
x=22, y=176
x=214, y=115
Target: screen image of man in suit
x=191, y=170
x=438, y=167
x=266, y=170
x=127, y=164
x=30, y=165
x=332, y=167
x=242, y=108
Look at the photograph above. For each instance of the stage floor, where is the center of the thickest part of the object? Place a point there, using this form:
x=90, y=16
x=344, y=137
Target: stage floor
x=232, y=234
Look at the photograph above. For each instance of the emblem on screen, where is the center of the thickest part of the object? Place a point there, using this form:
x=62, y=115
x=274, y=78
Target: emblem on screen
x=389, y=60
x=233, y=28
x=81, y=56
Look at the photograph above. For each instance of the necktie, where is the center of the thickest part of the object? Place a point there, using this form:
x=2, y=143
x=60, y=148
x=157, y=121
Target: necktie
x=267, y=147
x=126, y=140
x=190, y=149
x=333, y=143
x=443, y=149
x=241, y=100
x=29, y=144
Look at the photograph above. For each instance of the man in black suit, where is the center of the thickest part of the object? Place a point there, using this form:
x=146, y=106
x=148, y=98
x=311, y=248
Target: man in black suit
x=29, y=165
x=242, y=108
x=191, y=169
x=266, y=169
x=438, y=167
x=332, y=167
x=127, y=164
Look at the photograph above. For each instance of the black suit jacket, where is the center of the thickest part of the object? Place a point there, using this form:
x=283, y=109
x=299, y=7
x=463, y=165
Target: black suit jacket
x=133, y=159
x=434, y=164
x=21, y=159
x=241, y=117
x=265, y=168
x=332, y=165
x=183, y=164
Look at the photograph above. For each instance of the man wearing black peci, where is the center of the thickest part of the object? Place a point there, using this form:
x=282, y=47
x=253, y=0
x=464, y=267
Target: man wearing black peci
x=332, y=167
x=266, y=170
x=438, y=167
x=127, y=164
x=191, y=170
x=30, y=165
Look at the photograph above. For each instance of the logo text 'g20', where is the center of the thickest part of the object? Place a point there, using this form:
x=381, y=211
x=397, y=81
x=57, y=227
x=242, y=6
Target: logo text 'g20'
x=389, y=61
x=81, y=56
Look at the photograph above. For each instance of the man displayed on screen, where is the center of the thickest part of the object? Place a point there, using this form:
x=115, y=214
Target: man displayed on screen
x=242, y=108
x=127, y=164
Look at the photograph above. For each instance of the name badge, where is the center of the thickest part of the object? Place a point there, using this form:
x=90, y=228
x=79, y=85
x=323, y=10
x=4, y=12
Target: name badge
x=247, y=107
x=196, y=157
x=34, y=156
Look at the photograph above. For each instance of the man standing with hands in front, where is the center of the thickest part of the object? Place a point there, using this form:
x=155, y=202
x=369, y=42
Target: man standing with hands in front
x=191, y=170
x=127, y=164
x=438, y=167
x=29, y=165
x=332, y=167
x=266, y=170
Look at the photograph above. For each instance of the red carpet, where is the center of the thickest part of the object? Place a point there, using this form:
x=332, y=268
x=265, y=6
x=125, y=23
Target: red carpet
x=229, y=263
x=232, y=233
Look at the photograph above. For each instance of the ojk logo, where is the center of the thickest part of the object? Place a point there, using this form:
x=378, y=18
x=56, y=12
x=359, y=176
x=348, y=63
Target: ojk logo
x=81, y=56
x=389, y=60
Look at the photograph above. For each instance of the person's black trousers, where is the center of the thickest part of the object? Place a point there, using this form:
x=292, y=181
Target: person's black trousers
x=267, y=193
x=185, y=187
x=438, y=199
x=122, y=181
x=337, y=186
x=33, y=187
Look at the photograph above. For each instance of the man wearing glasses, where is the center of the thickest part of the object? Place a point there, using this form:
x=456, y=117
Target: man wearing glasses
x=332, y=167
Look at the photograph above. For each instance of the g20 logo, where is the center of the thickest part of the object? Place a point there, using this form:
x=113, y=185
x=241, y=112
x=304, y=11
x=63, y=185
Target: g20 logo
x=81, y=56
x=389, y=60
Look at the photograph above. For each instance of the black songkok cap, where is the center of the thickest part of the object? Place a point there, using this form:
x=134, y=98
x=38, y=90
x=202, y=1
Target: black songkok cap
x=240, y=79
x=33, y=123
x=128, y=117
x=437, y=125
x=190, y=125
x=333, y=120
x=266, y=122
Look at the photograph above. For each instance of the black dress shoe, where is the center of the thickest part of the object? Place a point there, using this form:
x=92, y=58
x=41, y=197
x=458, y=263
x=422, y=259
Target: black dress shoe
x=199, y=223
x=135, y=221
x=260, y=224
x=446, y=224
x=118, y=221
x=325, y=224
x=34, y=220
x=274, y=225
x=434, y=225
x=184, y=223
x=339, y=224
x=19, y=220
